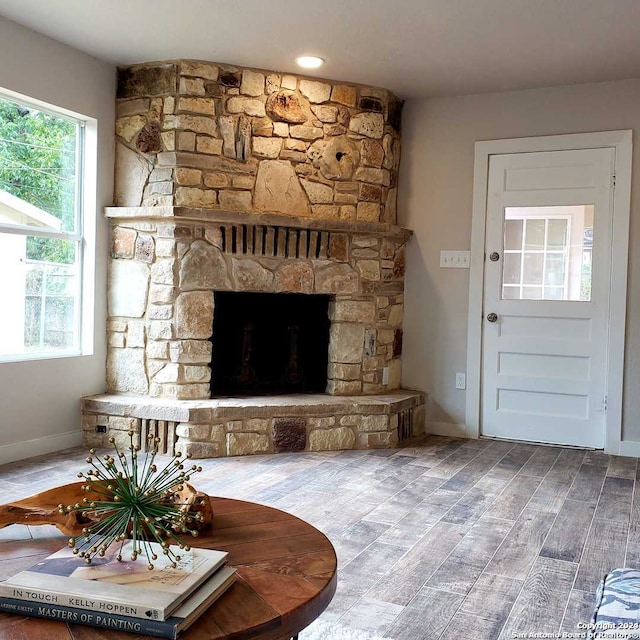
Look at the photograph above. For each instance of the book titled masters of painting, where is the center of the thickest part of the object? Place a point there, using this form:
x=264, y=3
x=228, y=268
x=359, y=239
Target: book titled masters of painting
x=182, y=618
x=125, y=588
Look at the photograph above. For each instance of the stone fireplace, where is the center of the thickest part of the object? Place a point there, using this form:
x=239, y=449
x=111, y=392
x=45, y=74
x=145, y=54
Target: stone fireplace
x=256, y=275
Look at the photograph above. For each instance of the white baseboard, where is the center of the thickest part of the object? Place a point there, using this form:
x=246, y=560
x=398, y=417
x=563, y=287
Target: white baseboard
x=39, y=446
x=446, y=429
x=629, y=448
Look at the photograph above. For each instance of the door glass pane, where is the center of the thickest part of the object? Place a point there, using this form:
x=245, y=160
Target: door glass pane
x=587, y=248
x=557, y=234
x=554, y=266
x=513, y=234
x=532, y=293
x=510, y=293
x=534, y=235
x=547, y=253
x=553, y=293
x=512, y=274
x=533, y=263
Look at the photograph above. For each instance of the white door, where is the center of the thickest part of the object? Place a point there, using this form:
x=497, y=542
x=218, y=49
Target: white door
x=545, y=308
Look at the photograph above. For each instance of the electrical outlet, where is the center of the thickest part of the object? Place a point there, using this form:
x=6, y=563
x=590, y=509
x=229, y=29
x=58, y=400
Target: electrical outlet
x=455, y=259
x=385, y=375
x=461, y=381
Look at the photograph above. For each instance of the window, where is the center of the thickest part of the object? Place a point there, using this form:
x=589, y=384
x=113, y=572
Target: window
x=41, y=242
x=547, y=253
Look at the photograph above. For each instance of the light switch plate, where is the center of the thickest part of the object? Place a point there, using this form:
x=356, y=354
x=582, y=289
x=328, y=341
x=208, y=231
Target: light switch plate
x=455, y=259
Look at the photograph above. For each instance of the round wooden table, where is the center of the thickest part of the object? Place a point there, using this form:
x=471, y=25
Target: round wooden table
x=286, y=578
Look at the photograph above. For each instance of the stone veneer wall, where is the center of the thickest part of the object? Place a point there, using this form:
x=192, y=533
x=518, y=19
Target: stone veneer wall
x=163, y=274
x=220, y=137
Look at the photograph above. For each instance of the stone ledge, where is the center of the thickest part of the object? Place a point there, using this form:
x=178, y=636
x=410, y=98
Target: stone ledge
x=253, y=425
x=166, y=213
x=255, y=406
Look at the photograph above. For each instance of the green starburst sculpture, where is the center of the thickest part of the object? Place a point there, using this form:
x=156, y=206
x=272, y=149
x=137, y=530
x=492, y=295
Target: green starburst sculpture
x=132, y=499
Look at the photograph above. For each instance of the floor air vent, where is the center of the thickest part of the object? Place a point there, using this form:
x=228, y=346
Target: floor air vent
x=405, y=424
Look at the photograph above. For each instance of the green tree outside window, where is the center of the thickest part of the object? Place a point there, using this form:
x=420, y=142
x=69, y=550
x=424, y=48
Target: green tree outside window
x=38, y=165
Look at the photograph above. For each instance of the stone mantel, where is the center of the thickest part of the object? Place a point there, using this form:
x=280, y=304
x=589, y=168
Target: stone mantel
x=195, y=214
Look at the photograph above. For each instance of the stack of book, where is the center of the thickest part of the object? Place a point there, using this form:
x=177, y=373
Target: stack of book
x=123, y=595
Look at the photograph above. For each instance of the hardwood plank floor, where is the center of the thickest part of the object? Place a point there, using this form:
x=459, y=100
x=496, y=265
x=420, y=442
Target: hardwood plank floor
x=443, y=539
x=569, y=531
x=542, y=602
x=522, y=545
x=605, y=548
x=512, y=501
x=460, y=571
x=492, y=597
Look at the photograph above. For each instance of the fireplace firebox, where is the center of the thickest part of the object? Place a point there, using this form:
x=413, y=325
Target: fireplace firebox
x=269, y=343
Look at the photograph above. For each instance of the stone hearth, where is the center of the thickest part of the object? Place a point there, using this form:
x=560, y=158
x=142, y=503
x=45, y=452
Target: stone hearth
x=242, y=180
x=240, y=426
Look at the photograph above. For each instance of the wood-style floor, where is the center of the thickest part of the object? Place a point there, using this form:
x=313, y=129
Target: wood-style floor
x=446, y=539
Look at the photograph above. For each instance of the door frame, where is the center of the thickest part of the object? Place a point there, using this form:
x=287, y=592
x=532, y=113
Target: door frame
x=621, y=141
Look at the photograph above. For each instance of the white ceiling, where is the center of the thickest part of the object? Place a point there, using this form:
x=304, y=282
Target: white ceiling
x=413, y=47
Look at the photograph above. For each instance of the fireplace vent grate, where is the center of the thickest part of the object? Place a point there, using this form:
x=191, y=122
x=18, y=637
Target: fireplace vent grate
x=405, y=424
x=165, y=430
x=274, y=241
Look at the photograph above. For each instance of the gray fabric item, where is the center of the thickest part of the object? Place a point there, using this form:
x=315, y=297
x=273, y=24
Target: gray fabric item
x=617, y=610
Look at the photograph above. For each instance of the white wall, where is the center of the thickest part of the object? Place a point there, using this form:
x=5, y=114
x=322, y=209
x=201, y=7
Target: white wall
x=40, y=400
x=435, y=200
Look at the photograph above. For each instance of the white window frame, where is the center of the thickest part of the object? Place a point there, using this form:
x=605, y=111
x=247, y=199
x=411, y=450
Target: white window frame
x=544, y=252
x=84, y=233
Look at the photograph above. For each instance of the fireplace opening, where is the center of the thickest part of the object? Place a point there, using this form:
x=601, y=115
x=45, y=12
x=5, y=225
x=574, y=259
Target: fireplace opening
x=269, y=343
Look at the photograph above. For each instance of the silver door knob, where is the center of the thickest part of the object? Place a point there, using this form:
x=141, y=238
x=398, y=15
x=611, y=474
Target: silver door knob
x=494, y=257
x=492, y=317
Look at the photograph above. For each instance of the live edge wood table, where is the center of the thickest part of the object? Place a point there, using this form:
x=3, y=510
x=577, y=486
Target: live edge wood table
x=286, y=577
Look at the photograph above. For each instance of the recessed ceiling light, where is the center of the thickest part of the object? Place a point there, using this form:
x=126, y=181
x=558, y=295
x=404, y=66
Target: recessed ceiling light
x=310, y=62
